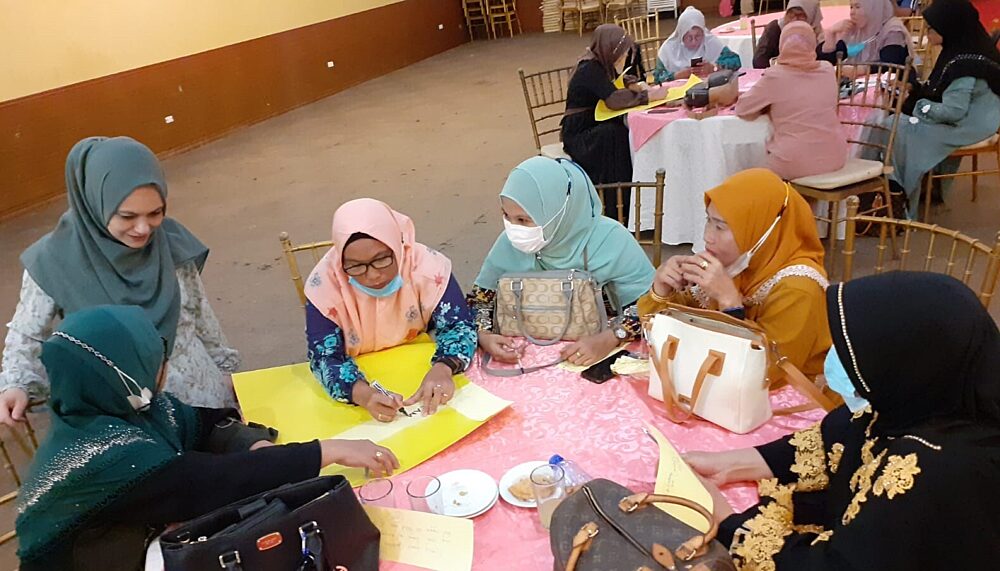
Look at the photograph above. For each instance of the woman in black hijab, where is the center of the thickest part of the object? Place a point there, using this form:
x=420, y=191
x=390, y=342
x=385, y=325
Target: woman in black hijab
x=908, y=481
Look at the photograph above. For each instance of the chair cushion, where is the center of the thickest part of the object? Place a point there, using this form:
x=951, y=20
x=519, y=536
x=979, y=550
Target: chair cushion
x=554, y=151
x=983, y=144
x=855, y=171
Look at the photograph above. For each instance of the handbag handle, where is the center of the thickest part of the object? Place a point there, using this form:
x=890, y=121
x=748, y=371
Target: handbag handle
x=802, y=384
x=567, y=293
x=484, y=362
x=712, y=365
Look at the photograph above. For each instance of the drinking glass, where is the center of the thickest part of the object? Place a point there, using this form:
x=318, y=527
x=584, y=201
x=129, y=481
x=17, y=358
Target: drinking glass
x=377, y=492
x=424, y=493
x=549, y=485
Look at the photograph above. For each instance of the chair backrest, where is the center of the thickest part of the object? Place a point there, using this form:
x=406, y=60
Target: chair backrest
x=864, y=111
x=922, y=53
x=316, y=250
x=649, y=50
x=947, y=251
x=655, y=241
x=28, y=447
x=753, y=35
x=641, y=27
x=545, y=96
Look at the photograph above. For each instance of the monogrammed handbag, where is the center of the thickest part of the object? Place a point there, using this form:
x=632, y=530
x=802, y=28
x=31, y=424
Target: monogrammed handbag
x=549, y=306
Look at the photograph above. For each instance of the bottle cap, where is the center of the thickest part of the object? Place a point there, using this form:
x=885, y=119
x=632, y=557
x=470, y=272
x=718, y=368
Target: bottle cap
x=556, y=459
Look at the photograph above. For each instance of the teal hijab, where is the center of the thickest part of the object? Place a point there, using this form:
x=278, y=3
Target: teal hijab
x=98, y=446
x=540, y=186
x=79, y=264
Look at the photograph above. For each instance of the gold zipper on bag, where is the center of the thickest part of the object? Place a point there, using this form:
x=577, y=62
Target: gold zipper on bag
x=628, y=537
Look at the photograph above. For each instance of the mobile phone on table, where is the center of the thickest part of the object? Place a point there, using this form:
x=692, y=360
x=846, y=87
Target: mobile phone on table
x=697, y=61
x=601, y=371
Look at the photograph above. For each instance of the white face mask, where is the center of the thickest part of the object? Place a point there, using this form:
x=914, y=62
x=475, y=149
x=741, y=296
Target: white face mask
x=743, y=262
x=531, y=239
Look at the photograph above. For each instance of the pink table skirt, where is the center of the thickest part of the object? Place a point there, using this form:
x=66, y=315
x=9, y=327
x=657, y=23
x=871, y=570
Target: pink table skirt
x=597, y=426
x=831, y=15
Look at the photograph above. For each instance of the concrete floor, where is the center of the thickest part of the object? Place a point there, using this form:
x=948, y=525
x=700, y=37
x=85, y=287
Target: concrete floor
x=435, y=140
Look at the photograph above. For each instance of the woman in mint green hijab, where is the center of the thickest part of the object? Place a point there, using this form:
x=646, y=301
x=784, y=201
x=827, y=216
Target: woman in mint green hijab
x=122, y=460
x=553, y=221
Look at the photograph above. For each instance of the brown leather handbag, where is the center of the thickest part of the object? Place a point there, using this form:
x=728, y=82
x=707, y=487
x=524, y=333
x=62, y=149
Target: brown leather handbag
x=605, y=526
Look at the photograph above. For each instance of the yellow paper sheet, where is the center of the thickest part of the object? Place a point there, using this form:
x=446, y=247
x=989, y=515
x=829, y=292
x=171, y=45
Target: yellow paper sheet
x=603, y=113
x=674, y=477
x=291, y=400
x=425, y=540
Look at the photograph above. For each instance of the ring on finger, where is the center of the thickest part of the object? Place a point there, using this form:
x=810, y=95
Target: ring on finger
x=378, y=453
x=703, y=265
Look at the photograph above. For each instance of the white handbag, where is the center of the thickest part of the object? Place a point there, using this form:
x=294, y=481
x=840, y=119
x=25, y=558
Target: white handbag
x=711, y=365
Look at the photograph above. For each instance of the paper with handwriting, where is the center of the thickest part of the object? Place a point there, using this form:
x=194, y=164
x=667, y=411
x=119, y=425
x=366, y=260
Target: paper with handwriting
x=430, y=541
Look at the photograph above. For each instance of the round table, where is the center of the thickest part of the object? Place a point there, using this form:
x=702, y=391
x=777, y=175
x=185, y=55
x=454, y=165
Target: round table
x=739, y=41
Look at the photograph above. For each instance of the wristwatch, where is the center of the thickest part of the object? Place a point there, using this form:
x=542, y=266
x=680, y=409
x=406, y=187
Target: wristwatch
x=620, y=332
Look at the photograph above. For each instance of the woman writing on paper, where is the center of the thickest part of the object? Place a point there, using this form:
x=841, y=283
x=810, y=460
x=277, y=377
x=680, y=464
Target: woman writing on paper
x=690, y=44
x=602, y=147
x=872, y=34
x=763, y=261
x=799, y=94
x=122, y=459
x=378, y=288
x=116, y=244
x=807, y=11
x=553, y=221
x=899, y=477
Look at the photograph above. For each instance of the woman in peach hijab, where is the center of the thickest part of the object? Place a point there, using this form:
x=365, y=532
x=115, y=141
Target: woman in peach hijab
x=800, y=95
x=378, y=288
x=763, y=262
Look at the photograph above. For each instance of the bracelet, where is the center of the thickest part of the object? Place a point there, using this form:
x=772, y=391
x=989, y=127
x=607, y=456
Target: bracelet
x=657, y=297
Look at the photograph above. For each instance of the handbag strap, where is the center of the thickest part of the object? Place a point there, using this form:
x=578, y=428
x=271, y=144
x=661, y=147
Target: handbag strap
x=313, y=558
x=231, y=561
x=678, y=411
x=808, y=388
x=568, y=288
x=485, y=359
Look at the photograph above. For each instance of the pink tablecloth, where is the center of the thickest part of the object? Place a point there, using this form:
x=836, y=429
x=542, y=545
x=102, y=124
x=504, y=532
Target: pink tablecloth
x=831, y=15
x=597, y=426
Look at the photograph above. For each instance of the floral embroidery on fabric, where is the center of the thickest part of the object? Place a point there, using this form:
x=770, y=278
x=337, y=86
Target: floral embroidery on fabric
x=455, y=334
x=337, y=380
x=438, y=280
x=825, y=536
x=861, y=481
x=315, y=280
x=482, y=301
x=810, y=460
x=760, y=295
x=412, y=314
x=762, y=537
x=897, y=476
x=833, y=458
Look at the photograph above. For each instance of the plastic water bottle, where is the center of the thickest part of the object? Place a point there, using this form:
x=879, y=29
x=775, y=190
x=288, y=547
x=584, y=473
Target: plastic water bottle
x=575, y=476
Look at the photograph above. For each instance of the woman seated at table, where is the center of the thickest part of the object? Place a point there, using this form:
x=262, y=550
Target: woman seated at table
x=958, y=106
x=763, y=261
x=807, y=11
x=115, y=244
x=690, y=43
x=122, y=459
x=602, y=147
x=799, y=93
x=901, y=483
x=872, y=34
x=378, y=288
x=553, y=221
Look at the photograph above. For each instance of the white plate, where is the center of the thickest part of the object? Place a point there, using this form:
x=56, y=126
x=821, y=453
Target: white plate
x=511, y=478
x=465, y=493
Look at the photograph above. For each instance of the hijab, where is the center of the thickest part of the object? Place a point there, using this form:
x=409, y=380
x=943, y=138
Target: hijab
x=675, y=56
x=883, y=28
x=966, y=51
x=80, y=264
x=370, y=323
x=98, y=445
x=749, y=202
x=608, y=43
x=797, y=47
x=814, y=15
x=920, y=347
x=584, y=239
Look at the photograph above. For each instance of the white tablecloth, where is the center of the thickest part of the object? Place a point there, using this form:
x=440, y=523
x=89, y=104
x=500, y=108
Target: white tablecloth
x=739, y=41
x=697, y=155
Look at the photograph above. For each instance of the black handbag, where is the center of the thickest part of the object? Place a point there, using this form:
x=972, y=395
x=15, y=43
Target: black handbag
x=315, y=525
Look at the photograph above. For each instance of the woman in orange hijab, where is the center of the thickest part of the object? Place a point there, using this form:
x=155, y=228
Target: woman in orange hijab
x=763, y=261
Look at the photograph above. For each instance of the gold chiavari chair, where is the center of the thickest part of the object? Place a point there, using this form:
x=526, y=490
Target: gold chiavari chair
x=618, y=190
x=990, y=146
x=501, y=12
x=580, y=10
x=641, y=27
x=922, y=54
x=316, y=250
x=947, y=251
x=545, y=97
x=619, y=6
x=649, y=52
x=475, y=15
x=28, y=447
x=863, y=114
x=753, y=34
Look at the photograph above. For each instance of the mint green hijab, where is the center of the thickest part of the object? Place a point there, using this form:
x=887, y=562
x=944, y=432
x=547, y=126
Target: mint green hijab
x=79, y=264
x=539, y=185
x=98, y=446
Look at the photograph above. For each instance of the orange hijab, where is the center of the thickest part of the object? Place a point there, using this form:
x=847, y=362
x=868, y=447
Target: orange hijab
x=370, y=323
x=749, y=201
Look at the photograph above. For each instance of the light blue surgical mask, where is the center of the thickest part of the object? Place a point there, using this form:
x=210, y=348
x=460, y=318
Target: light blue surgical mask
x=837, y=379
x=853, y=50
x=389, y=288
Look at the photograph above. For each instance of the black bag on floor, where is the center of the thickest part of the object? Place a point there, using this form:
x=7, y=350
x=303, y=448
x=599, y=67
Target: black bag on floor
x=316, y=525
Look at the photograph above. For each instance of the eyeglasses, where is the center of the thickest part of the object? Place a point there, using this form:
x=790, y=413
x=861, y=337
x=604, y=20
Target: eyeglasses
x=362, y=268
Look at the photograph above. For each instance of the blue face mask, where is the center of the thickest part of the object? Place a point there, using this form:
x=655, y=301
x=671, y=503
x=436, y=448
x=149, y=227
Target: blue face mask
x=854, y=49
x=837, y=379
x=389, y=289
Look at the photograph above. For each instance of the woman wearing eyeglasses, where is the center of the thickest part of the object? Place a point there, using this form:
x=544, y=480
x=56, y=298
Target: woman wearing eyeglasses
x=763, y=261
x=379, y=288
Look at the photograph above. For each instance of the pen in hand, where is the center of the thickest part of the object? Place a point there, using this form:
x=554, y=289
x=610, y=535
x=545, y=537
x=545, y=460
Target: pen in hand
x=375, y=385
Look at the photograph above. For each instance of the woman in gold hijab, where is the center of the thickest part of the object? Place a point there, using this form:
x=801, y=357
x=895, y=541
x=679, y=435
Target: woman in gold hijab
x=763, y=261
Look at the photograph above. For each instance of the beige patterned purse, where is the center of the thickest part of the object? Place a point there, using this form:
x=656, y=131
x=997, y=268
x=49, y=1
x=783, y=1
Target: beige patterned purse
x=549, y=306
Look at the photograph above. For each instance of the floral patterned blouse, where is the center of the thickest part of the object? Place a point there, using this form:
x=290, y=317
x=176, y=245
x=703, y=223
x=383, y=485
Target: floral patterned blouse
x=198, y=368
x=451, y=322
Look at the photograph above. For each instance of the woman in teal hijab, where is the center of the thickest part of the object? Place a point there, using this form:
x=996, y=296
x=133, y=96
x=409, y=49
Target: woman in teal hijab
x=553, y=221
x=122, y=459
x=116, y=245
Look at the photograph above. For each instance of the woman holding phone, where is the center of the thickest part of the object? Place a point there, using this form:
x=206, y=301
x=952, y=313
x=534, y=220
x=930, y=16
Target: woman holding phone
x=692, y=50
